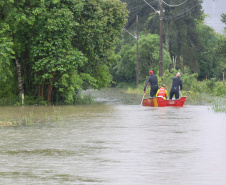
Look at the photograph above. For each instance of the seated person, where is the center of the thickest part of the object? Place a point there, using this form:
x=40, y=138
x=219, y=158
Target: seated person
x=162, y=92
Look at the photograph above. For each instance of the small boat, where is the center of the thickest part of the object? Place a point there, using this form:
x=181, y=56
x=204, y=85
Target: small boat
x=160, y=102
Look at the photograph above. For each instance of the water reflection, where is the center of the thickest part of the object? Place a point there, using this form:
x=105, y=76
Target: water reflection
x=116, y=143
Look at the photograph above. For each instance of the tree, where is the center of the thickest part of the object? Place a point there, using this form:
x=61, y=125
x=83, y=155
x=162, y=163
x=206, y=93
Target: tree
x=7, y=87
x=125, y=70
x=101, y=25
x=223, y=19
x=148, y=56
x=51, y=48
x=207, y=55
x=181, y=32
x=221, y=55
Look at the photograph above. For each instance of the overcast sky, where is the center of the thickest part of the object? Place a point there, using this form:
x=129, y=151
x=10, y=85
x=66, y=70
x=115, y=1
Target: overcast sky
x=214, y=9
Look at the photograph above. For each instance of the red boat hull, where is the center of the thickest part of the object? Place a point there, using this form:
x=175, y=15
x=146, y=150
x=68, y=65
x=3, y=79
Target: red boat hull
x=160, y=102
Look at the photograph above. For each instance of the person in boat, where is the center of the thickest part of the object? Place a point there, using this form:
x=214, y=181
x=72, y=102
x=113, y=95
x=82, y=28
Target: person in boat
x=176, y=86
x=153, y=81
x=162, y=92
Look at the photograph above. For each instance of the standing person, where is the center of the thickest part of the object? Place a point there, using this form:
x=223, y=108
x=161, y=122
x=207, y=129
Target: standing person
x=162, y=92
x=153, y=81
x=176, y=86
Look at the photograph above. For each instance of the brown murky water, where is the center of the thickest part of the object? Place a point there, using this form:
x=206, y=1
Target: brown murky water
x=115, y=142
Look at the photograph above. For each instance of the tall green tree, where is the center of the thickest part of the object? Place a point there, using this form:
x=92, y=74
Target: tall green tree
x=101, y=23
x=7, y=87
x=223, y=19
x=180, y=32
x=221, y=55
x=207, y=56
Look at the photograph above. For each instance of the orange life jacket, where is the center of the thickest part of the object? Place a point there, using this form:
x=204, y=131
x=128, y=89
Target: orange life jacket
x=162, y=92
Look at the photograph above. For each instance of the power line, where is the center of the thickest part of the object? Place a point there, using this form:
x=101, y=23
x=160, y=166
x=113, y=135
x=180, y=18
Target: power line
x=150, y=5
x=182, y=12
x=129, y=33
x=186, y=10
x=174, y=5
x=183, y=16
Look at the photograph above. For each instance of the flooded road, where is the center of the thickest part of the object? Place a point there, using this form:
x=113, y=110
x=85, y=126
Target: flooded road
x=115, y=142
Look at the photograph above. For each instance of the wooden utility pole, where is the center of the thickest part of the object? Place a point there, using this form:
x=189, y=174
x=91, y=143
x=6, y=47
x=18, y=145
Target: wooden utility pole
x=160, y=34
x=137, y=73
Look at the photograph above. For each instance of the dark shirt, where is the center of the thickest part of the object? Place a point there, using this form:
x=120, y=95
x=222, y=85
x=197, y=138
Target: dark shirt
x=177, y=84
x=153, y=80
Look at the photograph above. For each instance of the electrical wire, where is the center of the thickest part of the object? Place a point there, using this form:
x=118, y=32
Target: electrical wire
x=182, y=12
x=185, y=15
x=129, y=33
x=174, y=5
x=186, y=11
x=138, y=7
x=150, y=5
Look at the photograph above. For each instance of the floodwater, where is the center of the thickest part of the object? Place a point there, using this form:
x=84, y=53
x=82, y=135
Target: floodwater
x=114, y=142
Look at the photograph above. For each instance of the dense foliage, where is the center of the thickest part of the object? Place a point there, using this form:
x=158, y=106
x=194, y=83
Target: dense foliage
x=59, y=46
x=148, y=57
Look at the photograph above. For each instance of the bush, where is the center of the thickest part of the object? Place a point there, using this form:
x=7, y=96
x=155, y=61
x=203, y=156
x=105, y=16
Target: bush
x=219, y=90
x=211, y=85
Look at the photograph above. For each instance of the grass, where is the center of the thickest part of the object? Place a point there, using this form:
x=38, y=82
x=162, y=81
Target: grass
x=30, y=120
x=219, y=105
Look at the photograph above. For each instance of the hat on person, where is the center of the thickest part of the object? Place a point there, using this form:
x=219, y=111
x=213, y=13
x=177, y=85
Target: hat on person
x=150, y=72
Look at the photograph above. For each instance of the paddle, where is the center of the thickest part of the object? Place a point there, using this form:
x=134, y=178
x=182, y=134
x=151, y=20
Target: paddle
x=144, y=94
x=143, y=97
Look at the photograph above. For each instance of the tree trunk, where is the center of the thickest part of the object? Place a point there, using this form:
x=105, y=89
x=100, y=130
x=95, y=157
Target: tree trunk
x=174, y=61
x=182, y=62
x=42, y=89
x=50, y=87
x=21, y=88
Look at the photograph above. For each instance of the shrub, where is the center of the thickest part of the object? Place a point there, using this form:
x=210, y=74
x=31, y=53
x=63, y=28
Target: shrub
x=219, y=90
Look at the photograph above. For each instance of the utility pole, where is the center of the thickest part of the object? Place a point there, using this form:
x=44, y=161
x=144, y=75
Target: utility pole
x=160, y=34
x=137, y=73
